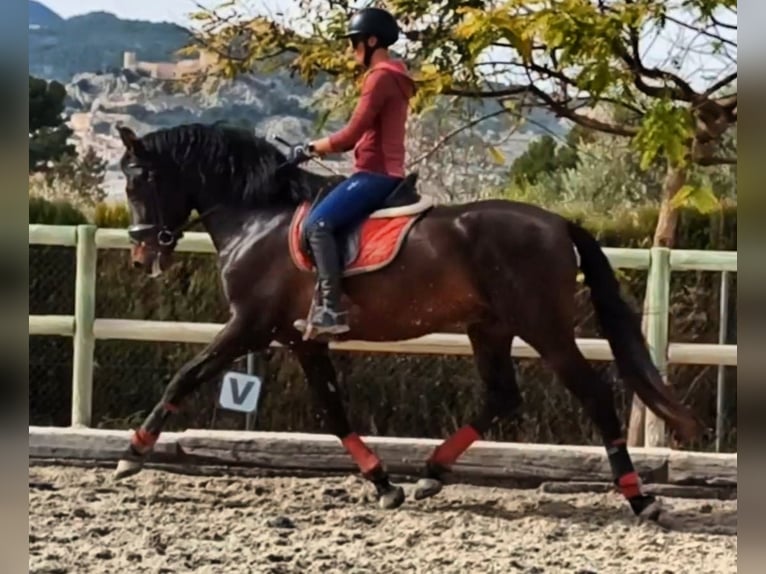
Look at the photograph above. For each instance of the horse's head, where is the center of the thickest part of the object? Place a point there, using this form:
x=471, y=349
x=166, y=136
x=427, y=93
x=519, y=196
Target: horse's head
x=158, y=204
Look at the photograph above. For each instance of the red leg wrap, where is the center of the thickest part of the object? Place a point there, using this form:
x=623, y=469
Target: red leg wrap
x=450, y=450
x=630, y=485
x=365, y=459
x=143, y=440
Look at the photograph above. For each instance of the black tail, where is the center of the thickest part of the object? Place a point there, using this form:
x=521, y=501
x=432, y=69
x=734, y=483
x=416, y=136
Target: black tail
x=622, y=328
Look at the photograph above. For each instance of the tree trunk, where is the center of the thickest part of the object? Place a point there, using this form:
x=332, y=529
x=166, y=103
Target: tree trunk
x=664, y=236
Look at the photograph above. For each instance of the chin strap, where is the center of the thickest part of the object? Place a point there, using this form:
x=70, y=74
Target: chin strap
x=368, y=52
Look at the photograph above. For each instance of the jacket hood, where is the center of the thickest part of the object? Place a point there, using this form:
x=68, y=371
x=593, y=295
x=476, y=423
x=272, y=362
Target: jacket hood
x=403, y=78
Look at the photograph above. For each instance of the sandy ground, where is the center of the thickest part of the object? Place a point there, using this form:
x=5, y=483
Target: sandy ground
x=80, y=521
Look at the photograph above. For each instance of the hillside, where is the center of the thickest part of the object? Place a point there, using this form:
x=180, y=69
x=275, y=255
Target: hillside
x=40, y=16
x=94, y=42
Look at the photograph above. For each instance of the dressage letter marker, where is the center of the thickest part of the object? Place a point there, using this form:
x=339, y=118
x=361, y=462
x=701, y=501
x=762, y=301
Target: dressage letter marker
x=240, y=392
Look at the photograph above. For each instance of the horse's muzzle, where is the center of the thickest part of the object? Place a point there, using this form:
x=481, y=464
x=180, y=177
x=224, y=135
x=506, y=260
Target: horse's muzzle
x=152, y=260
x=152, y=247
x=141, y=255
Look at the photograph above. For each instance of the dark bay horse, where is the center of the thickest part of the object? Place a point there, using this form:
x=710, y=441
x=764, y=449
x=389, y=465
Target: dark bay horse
x=499, y=268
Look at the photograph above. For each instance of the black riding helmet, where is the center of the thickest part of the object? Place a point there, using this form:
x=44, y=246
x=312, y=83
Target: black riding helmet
x=372, y=22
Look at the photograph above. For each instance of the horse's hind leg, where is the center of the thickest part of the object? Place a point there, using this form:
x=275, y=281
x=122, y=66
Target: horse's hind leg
x=564, y=357
x=491, y=345
x=320, y=374
x=228, y=344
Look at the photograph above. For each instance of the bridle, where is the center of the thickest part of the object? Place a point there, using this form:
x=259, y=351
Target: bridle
x=165, y=236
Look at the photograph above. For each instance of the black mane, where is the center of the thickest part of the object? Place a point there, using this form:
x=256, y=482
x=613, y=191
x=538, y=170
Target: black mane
x=233, y=165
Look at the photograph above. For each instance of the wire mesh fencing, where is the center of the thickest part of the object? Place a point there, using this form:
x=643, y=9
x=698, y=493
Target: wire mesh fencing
x=394, y=395
x=51, y=292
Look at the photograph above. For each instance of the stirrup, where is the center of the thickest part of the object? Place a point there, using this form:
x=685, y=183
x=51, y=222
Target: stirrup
x=322, y=321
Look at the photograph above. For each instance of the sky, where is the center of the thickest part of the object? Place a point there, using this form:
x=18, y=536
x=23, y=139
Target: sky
x=698, y=69
x=153, y=10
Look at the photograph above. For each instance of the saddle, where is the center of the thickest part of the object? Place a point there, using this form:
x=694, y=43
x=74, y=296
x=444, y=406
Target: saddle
x=375, y=242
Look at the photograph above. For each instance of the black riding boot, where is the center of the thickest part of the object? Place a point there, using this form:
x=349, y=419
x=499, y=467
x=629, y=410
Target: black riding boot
x=327, y=317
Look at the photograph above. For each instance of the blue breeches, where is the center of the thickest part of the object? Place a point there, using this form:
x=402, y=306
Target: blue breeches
x=352, y=201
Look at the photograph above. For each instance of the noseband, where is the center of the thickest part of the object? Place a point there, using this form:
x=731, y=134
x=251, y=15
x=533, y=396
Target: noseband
x=164, y=236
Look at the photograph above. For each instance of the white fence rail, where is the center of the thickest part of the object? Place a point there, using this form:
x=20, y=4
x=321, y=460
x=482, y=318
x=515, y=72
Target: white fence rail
x=85, y=328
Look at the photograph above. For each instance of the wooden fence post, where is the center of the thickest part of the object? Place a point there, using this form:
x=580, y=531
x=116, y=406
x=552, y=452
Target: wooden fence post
x=723, y=329
x=658, y=311
x=84, y=318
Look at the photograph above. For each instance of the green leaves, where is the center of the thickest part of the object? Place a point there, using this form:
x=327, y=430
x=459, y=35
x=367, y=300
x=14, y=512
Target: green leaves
x=49, y=134
x=666, y=130
x=700, y=198
x=496, y=155
x=568, y=53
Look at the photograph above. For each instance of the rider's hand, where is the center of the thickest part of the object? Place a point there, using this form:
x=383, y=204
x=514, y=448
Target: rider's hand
x=302, y=152
x=321, y=147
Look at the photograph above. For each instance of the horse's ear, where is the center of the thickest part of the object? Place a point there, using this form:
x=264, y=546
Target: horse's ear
x=129, y=139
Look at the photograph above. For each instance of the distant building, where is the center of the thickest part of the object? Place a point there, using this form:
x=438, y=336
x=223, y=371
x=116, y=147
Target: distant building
x=169, y=70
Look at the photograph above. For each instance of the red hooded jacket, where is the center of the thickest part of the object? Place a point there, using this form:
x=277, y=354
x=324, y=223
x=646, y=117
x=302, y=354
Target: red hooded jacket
x=376, y=129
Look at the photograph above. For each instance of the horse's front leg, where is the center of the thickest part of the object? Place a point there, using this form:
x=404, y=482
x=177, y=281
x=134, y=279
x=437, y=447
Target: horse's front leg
x=314, y=358
x=231, y=342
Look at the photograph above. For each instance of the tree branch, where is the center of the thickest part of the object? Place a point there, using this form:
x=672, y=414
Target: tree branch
x=723, y=24
x=712, y=160
x=702, y=31
x=561, y=109
x=682, y=90
x=499, y=93
x=444, y=139
x=728, y=103
x=720, y=84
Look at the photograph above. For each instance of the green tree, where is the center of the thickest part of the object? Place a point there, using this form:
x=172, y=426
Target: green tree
x=543, y=156
x=578, y=58
x=48, y=132
x=575, y=57
x=608, y=180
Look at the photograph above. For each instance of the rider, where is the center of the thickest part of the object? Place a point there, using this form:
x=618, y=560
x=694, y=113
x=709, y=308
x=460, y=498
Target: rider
x=376, y=132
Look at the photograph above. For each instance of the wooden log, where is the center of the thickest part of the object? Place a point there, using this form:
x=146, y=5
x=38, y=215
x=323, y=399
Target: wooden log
x=486, y=462
x=91, y=444
x=702, y=468
x=513, y=461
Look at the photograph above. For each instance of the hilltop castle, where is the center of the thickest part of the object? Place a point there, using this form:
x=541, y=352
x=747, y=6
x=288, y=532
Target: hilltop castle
x=169, y=70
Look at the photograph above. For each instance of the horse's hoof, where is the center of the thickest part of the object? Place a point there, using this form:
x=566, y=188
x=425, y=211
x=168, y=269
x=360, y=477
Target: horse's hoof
x=126, y=468
x=392, y=498
x=652, y=511
x=427, y=487
x=646, y=507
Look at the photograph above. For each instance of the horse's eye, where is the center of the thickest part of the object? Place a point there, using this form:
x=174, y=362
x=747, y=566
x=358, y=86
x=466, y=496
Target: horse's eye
x=134, y=170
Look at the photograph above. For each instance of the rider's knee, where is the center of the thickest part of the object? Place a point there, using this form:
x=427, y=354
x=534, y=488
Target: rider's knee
x=318, y=225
